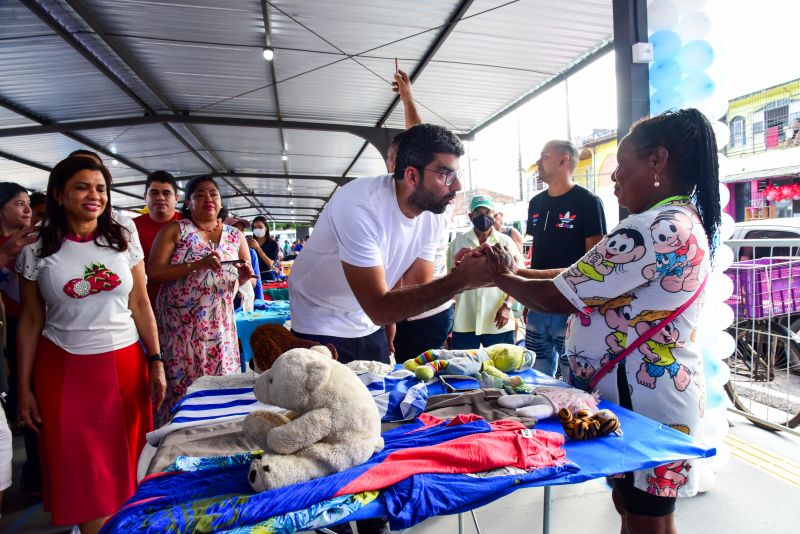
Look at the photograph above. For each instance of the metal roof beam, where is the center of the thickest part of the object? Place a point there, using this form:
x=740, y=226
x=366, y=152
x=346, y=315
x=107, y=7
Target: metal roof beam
x=373, y=134
x=335, y=179
x=448, y=28
x=67, y=132
x=268, y=195
x=128, y=61
x=24, y=161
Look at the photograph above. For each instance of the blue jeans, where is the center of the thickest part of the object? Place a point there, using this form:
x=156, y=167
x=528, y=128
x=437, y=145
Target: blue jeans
x=545, y=336
x=412, y=338
x=468, y=340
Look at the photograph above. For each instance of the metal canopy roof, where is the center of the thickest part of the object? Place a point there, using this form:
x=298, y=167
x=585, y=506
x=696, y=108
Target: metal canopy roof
x=181, y=85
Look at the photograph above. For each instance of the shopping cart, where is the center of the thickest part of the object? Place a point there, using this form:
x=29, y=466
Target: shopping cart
x=765, y=368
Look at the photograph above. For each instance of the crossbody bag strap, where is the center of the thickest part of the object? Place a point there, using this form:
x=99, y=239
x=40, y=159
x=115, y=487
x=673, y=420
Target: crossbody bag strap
x=645, y=336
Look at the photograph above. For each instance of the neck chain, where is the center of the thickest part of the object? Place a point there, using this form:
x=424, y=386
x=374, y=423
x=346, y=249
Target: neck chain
x=676, y=198
x=207, y=230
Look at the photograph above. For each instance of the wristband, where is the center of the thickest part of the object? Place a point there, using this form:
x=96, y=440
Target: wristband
x=191, y=267
x=507, y=304
x=155, y=358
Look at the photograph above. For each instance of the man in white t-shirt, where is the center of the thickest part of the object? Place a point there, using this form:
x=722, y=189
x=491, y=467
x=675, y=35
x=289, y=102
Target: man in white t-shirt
x=373, y=232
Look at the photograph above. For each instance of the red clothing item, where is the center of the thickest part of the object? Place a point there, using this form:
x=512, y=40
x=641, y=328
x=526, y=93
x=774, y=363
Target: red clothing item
x=148, y=230
x=508, y=444
x=95, y=411
x=9, y=286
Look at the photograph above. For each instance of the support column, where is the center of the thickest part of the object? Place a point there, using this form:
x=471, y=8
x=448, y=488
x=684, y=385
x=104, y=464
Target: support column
x=633, y=82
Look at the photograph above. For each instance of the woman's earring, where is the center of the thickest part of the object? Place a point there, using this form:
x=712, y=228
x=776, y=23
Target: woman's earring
x=656, y=183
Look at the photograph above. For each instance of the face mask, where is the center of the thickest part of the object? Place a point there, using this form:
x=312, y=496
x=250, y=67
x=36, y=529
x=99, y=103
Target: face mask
x=482, y=222
x=259, y=232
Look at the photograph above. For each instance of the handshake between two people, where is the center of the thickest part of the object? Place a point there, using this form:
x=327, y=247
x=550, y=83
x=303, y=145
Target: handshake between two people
x=481, y=266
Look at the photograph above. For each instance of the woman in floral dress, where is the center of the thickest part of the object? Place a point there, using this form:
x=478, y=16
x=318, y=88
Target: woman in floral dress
x=195, y=303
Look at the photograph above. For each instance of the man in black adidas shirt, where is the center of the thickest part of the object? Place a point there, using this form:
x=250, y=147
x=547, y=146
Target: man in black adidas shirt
x=565, y=221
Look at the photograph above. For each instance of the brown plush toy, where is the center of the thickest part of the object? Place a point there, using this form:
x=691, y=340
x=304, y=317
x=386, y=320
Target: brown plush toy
x=584, y=424
x=271, y=340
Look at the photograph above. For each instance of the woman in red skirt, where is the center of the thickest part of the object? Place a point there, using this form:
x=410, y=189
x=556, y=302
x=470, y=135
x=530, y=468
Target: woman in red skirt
x=83, y=377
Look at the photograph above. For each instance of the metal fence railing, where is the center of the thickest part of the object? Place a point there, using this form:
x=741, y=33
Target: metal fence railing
x=764, y=383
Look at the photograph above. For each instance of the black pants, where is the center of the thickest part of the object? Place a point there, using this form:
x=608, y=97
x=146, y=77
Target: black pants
x=373, y=347
x=415, y=337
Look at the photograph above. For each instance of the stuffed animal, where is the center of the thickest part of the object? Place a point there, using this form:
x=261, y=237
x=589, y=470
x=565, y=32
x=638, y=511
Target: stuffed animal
x=495, y=360
x=584, y=424
x=271, y=340
x=546, y=401
x=334, y=423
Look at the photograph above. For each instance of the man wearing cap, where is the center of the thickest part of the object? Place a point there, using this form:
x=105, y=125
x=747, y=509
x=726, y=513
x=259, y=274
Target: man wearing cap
x=242, y=225
x=483, y=316
x=565, y=221
x=161, y=197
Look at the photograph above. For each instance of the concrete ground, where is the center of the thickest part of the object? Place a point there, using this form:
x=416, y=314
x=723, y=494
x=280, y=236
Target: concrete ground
x=757, y=492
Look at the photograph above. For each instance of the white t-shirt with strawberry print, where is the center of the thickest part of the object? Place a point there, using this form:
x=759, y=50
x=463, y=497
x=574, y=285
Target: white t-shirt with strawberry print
x=86, y=289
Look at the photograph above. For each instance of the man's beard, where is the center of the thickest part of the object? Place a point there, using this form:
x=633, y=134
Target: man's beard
x=425, y=201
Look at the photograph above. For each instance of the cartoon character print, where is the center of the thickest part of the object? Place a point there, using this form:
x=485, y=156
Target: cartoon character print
x=668, y=479
x=96, y=278
x=678, y=254
x=581, y=370
x=626, y=245
x=657, y=351
x=617, y=314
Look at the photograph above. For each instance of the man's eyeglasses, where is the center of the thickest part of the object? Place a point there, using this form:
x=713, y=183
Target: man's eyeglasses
x=449, y=176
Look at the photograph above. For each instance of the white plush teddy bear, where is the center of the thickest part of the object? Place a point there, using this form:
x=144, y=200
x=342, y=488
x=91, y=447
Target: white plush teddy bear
x=335, y=424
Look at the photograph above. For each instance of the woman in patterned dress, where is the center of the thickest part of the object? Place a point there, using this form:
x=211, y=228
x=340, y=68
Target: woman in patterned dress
x=651, y=265
x=195, y=303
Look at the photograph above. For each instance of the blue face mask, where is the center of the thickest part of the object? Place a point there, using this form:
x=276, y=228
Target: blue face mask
x=482, y=222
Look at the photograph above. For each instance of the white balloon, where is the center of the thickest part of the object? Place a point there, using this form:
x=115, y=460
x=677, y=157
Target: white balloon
x=714, y=107
x=719, y=287
x=725, y=169
x=724, y=345
x=692, y=26
x=715, y=426
x=661, y=15
x=724, y=192
x=705, y=473
x=722, y=377
x=723, y=257
x=726, y=227
x=716, y=315
x=722, y=133
x=685, y=6
x=722, y=457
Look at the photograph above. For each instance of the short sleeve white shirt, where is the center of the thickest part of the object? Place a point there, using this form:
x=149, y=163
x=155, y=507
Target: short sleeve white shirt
x=85, y=288
x=363, y=226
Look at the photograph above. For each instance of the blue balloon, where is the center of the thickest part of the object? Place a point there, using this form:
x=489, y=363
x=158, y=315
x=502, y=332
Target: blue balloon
x=664, y=100
x=711, y=367
x=696, y=87
x=696, y=56
x=715, y=398
x=666, y=43
x=665, y=74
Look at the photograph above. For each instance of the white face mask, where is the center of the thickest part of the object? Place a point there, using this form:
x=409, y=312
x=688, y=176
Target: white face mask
x=259, y=232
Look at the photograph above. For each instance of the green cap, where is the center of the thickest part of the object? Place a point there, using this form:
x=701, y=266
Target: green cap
x=481, y=201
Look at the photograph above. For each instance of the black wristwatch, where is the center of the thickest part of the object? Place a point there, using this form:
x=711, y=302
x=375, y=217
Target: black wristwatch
x=155, y=358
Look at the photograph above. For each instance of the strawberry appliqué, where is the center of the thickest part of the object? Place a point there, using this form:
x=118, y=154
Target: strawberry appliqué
x=96, y=278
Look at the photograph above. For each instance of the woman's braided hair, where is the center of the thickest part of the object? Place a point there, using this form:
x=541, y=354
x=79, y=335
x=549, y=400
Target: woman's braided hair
x=689, y=138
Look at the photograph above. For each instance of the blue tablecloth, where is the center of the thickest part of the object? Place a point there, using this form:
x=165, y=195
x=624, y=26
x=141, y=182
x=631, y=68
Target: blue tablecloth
x=221, y=497
x=266, y=312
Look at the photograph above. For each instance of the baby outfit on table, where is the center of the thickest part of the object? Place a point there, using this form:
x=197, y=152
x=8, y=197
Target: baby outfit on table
x=546, y=401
